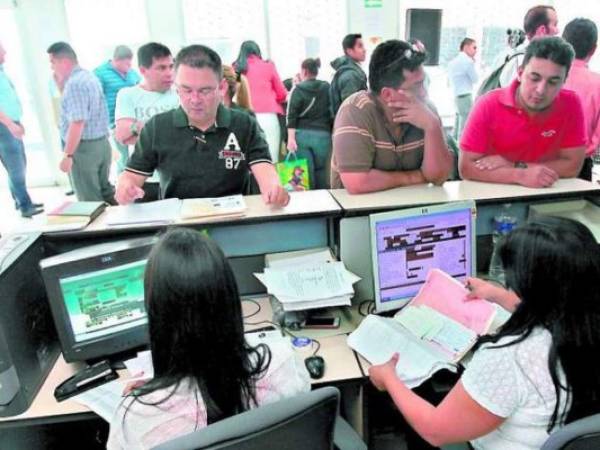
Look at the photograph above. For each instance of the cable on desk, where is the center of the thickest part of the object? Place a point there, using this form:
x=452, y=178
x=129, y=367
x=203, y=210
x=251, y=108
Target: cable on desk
x=275, y=325
x=286, y=330
x=370, y=307
x=253, y=313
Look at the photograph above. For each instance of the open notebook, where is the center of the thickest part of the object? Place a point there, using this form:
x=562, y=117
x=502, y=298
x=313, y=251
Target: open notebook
x=432, y=332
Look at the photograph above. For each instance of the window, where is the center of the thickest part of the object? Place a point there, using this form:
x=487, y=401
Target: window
x=302, y=29
x=97, y=27
x=37, y=161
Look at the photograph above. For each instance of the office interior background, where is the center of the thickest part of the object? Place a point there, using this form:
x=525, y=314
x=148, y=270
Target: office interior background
x=286, y=30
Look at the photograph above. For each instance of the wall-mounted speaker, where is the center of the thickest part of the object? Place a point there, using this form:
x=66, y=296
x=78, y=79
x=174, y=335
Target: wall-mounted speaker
x=425, y=25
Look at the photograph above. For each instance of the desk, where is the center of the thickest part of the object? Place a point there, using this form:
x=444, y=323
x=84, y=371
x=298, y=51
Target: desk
x=354, y=230
x=305, y=223
x=342, y=369
x=452, y=191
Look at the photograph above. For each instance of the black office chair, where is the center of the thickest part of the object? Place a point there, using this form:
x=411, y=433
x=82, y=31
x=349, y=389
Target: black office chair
x=583, y=434
x=307, y=421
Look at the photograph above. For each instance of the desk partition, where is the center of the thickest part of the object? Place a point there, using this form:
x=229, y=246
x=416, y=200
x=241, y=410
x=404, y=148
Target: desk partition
x=490, y=198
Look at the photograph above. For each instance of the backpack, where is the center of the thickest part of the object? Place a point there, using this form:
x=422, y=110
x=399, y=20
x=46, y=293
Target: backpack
x=335, y=96
x=493, y=80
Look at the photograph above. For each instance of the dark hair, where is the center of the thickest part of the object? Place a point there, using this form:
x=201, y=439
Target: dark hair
x=349, y=41
x=514, y=37
x=582, y=34
x=536, y=17
x=147, y=53
x=246, y=49
x=312, y=65
x=553, y=265
x=388, y=62
x=199, y=57
x=62, y=50
x=554, y=48
x=195, y=324
x=466, y=41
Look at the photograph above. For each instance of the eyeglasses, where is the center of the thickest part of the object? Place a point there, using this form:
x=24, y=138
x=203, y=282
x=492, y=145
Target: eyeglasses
x=408, y=55
x=202, y=92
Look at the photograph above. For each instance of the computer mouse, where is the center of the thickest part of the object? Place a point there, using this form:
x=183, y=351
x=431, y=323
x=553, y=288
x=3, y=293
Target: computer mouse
x=315, y=366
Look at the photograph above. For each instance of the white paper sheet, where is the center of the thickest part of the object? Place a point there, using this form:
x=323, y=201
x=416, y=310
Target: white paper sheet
x=309, y=282
x=213, y=207
x=103, y=400
x=158, y=212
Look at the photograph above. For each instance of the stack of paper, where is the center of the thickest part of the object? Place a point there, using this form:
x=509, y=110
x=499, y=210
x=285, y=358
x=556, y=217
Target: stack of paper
x=307, y=280
x=232, y=206
x=160, y=212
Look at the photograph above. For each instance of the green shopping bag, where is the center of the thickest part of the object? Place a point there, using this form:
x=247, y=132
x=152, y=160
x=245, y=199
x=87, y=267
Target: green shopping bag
x=293, y=173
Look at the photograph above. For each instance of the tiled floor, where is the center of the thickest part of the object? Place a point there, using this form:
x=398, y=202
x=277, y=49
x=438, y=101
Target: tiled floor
x=10, y=218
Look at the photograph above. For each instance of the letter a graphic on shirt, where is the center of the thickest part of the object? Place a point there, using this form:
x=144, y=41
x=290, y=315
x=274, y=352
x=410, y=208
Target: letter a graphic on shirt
x=232, y=143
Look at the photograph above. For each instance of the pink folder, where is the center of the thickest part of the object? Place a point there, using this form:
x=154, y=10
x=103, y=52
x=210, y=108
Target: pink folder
x=448, y=296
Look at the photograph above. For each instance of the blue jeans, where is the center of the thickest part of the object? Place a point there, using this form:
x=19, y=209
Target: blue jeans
x=315, y=146
x=12, y=155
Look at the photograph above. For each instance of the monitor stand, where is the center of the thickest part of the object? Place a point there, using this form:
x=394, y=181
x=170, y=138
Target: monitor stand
x=117, y=360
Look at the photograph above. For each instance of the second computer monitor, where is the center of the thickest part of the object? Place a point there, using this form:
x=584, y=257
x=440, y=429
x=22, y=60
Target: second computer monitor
x=406, y=244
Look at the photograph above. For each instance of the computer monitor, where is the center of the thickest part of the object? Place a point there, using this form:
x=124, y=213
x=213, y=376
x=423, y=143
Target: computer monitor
x=406, y=244
x=96, y=296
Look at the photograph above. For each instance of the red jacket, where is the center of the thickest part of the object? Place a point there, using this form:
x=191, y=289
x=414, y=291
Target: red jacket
x=266, y=88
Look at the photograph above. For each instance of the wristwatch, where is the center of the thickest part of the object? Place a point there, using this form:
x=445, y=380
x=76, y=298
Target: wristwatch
x=520, y=165
x=134, y=129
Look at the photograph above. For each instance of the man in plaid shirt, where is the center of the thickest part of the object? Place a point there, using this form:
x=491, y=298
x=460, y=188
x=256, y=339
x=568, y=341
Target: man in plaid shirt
x=83, y=126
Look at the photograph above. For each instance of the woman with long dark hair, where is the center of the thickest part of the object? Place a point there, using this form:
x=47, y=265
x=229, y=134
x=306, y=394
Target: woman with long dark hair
x=204, y=370
x=267, y=91
x=309, y=123
x=539, y=370
x=237, y=95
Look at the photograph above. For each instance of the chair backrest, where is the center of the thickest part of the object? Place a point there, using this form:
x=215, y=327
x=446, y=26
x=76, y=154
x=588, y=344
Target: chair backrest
x=301, y=422
x=583, y=434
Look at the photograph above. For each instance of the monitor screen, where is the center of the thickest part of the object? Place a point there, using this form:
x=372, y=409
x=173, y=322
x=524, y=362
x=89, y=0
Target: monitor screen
x=96, y=296
x=406, y=244
x=106, y=301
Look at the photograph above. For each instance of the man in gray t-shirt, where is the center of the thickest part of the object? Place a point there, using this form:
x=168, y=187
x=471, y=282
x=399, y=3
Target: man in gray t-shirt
x=155, y=94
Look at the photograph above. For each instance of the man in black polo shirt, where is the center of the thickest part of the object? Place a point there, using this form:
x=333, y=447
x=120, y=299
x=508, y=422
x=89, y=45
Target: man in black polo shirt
x=200, y=149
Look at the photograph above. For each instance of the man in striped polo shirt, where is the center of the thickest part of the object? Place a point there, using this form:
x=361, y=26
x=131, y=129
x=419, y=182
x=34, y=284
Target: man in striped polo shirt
x=114, y=75
x=391, y=135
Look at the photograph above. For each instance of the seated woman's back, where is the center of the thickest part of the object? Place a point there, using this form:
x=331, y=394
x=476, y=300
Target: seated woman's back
x=145, y=422
x=204, y=370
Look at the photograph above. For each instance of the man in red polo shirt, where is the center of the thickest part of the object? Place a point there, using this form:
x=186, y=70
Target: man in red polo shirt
x=530, y=133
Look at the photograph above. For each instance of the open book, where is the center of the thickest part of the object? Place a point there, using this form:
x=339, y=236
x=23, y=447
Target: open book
x=432, y=332
x=231, y=206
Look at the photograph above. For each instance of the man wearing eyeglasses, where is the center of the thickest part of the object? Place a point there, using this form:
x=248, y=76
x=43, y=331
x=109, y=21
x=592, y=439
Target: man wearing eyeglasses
x=391, y=135
x=201, y=149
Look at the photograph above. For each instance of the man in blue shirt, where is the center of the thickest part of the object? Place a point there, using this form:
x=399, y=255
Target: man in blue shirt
x=463, y=76
x=114, y=75
x=12, y=151
x=83, y=126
